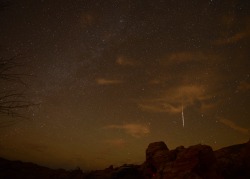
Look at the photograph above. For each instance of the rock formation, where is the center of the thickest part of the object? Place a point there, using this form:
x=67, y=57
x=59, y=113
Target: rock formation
x=234, y=161
x=198, y=161
x=194, y=162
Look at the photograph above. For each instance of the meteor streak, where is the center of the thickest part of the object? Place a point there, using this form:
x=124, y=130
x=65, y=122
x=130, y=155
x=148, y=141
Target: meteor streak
x=182, y=115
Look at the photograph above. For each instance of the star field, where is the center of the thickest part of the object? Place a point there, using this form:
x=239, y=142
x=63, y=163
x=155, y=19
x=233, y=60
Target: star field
x=112, y=76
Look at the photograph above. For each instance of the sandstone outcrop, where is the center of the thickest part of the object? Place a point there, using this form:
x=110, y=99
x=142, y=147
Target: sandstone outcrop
x=195, y=162
x=198, y=161
x=234, y=161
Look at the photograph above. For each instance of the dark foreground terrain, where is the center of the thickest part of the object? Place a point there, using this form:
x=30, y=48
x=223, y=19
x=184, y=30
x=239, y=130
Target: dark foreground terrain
x=198, y=161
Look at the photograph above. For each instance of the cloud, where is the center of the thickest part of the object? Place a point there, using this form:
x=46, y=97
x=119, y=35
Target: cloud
x=115, y=142
x=123, y=61
x=87, y=19
x=188, y=93
x=159, y=106
x=244, y=86
x=172, y=100
x=189, y=67
x=135, y=130
x=234, y=38
x=155, y=82
x=233, y=126
x=186, y=78
x=103, y=81
x=184, y=57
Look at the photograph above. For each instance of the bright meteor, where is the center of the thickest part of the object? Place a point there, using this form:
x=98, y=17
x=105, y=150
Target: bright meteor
x=182, y=115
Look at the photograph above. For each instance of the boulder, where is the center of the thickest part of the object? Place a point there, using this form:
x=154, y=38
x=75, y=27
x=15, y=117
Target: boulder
x=194, y=162
x=156, y=156
x=155, y=147
x=234, y=161
x=127, y=172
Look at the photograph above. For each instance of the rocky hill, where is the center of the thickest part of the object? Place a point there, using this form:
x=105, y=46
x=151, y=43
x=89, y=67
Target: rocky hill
x=194, y=162
x=26, y=170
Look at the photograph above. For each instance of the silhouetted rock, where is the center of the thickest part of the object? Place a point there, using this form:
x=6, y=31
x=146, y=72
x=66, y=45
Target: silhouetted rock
x=234, y=161
x=26, y=170
x=123, y=172
x=156, y=154
x=155, y=147
x=194, y=162
x=198, y=161
x=127, y=172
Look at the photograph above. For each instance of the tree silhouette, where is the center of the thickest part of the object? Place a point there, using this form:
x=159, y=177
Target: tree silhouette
x=11, y=101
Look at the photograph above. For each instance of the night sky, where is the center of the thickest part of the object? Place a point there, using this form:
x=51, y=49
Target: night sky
x=109, y=77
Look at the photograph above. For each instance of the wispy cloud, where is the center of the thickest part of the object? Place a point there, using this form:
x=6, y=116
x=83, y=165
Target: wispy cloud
x=184, y=57
x=159, y=106
x=234, y=38
x=135, y=130
x=233, y=126
x=121, y=60
x=172, y=100
x=244, y=86
x=119, y=143
x=189, y=66
x=87, y=19
x=103, y=81
x=155, y=82
x=186, y=78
